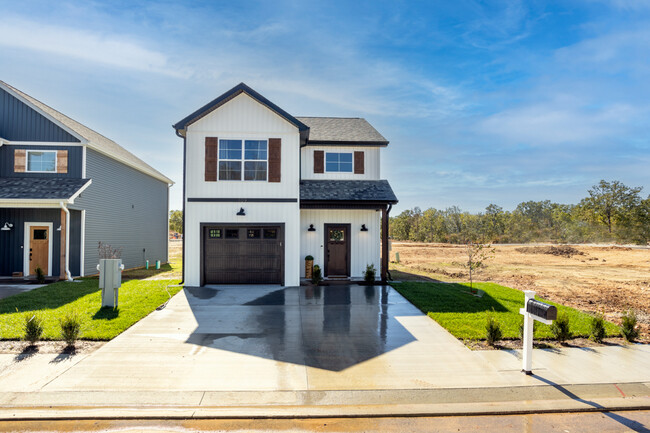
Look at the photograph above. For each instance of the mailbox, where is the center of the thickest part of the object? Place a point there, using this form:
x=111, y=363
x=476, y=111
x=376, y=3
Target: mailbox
x=541, y=310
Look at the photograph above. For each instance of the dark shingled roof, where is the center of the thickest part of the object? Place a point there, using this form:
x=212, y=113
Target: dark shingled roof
x=347, y=190
x=52, y=188
x=342, y=130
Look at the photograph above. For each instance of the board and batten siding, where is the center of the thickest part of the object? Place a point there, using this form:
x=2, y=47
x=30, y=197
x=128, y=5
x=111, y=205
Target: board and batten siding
x=364, y=246
x=20, y=122
x=280, y=213
x=75, y=158
x=242, y=118
x=371, y=162
x=126, y=209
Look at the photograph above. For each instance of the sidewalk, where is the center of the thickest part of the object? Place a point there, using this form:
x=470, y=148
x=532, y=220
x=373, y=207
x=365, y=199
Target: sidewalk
x=228, y=356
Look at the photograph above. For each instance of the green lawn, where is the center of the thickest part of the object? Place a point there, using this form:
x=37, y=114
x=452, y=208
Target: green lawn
x=137, y=298
x=464, y=315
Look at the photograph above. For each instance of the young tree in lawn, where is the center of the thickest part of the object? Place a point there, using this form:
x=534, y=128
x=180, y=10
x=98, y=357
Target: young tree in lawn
x=176, y=221
x=477, y=256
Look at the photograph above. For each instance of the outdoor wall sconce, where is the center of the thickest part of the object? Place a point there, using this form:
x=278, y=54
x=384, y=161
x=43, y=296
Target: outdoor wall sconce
x=241, y=212
x=364, y=228
x=7, y=227
x=59, y=229
x=311, y=228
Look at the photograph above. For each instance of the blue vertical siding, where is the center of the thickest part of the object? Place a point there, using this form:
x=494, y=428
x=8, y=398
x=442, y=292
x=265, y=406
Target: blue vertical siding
x=126, y=209
x=75, y=158
x=75, y=242
x=19, y=122
x=11, y=242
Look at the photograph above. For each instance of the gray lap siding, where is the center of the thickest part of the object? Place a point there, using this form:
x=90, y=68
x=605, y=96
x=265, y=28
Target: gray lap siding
x=126, y=209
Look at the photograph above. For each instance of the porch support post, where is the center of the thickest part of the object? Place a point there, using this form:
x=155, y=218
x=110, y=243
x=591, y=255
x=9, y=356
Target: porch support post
x=384, y=242
x=62, y=244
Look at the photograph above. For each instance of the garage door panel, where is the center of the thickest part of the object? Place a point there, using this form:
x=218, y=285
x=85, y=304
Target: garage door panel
x=243, y=260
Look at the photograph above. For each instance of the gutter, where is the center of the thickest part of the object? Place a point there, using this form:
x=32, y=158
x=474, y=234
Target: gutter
x=67, y=241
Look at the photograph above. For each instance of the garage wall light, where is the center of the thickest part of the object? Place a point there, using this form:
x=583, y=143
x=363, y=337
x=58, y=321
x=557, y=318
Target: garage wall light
x=311, y=228
x=364, y=228
x=241, y=212
x=7, y=227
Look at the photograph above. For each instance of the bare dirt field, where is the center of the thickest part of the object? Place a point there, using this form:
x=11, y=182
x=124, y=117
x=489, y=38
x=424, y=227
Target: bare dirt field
x=592, y=278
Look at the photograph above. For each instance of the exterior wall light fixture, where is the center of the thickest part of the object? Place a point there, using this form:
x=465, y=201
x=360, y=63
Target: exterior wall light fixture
x=311, y=228
x=241, y=212
x=364, y=228
x=7, y=227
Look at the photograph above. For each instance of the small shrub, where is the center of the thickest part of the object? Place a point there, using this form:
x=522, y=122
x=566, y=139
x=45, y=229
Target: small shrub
x=629, y=329
x=370, y=274
x=316, y=275
x=309, y=258
x=70, y=328
x=597, y=328
x=493, y=331
x=560, y=328
x=33, y=328
x=40, y=275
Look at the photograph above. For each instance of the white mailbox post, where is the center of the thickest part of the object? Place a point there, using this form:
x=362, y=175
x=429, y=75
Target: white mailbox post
x=533, y=310
x=110, y=280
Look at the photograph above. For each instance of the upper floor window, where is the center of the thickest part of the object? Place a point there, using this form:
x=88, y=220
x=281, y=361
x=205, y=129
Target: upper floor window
x=253, y=157
x=338, y=162
x=41, y=161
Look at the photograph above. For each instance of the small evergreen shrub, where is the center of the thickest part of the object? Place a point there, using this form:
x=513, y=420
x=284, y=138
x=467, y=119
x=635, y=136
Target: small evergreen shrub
x=40, y=275
x=370, y=274
x=70, y=328
x=629, y=329
x=597, y=328
x=493, y=331
x=33, y=328
x=317, y=275
x=561, y=328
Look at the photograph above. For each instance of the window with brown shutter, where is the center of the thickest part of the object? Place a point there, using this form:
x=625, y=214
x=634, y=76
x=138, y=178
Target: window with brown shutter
x=319, y=161
x=275, y=159
x=211, y=152
x=20, y=160
x=61, y=161
x=359, y=164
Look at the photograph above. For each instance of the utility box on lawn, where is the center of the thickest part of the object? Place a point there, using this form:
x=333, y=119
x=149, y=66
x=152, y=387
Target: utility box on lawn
x=110, y=280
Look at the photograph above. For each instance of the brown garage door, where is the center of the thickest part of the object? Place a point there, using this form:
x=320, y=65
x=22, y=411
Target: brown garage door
x=243, y=254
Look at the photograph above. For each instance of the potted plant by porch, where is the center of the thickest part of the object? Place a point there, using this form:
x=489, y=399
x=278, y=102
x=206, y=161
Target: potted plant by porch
x=317, y=276
x=309, y=266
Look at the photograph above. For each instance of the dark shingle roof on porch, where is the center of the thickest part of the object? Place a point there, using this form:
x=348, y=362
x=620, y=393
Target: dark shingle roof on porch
x=347, y=190
x=39, y=188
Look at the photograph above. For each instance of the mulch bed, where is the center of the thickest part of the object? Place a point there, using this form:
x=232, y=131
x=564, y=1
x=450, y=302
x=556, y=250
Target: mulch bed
x=548, y=344
x=48, y=347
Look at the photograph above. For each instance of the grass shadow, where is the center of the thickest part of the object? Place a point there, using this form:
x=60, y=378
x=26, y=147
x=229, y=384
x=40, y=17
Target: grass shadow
x=106, y=313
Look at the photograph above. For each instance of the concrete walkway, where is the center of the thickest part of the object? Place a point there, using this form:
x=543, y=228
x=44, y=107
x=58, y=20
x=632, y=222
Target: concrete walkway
x=269, y=351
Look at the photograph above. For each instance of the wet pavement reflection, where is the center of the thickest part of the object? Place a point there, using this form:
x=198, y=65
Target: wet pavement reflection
x=331, y=327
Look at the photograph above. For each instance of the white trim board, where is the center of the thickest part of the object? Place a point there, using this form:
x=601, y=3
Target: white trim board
x=26, y=247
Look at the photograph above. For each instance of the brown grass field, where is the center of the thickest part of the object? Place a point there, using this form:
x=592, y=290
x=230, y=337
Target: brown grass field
x=591, y=278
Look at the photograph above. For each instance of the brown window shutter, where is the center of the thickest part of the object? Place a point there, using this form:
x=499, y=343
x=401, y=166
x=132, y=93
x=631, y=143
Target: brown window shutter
x=20, y=160
x=275, y=159
x=319, y=161
x=359, y=164
x=211, y=152
x=61, y=161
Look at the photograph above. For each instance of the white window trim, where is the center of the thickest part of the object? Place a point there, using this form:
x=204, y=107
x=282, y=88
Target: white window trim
x=56, y=156
x=243, y=159
x=26, y=245
x=325, y=162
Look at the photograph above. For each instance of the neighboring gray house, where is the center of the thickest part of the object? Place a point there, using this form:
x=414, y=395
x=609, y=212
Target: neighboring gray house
x=64, y=188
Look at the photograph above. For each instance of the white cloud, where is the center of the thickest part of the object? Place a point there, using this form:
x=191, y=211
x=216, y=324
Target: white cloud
x=108, y=49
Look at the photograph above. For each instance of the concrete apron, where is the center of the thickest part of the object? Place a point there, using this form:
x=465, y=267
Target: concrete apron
x=271, y=352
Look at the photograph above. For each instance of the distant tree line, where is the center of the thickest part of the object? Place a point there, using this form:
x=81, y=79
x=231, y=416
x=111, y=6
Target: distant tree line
x=612, y=212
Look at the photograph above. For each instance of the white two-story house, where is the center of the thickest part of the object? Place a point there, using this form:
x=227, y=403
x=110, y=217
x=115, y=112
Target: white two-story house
x=264, y=189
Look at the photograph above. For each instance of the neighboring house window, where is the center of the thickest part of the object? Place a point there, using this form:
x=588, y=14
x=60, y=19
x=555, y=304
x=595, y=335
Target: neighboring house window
x=254, y=158
x=41, y=161
x=338, y=162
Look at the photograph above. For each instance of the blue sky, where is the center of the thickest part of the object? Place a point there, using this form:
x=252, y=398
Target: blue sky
x=483, y=102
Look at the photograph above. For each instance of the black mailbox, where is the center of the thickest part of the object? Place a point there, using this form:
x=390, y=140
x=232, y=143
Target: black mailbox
x=540, y=309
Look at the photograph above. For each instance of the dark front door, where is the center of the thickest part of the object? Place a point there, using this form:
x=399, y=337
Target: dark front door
x=243, y=254
x=337, y=254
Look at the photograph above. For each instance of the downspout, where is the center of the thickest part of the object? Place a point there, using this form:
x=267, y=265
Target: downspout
x=67, y=241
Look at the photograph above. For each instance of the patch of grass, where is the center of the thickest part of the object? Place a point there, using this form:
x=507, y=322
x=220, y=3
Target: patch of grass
x=137, y=298
x=464, y=315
